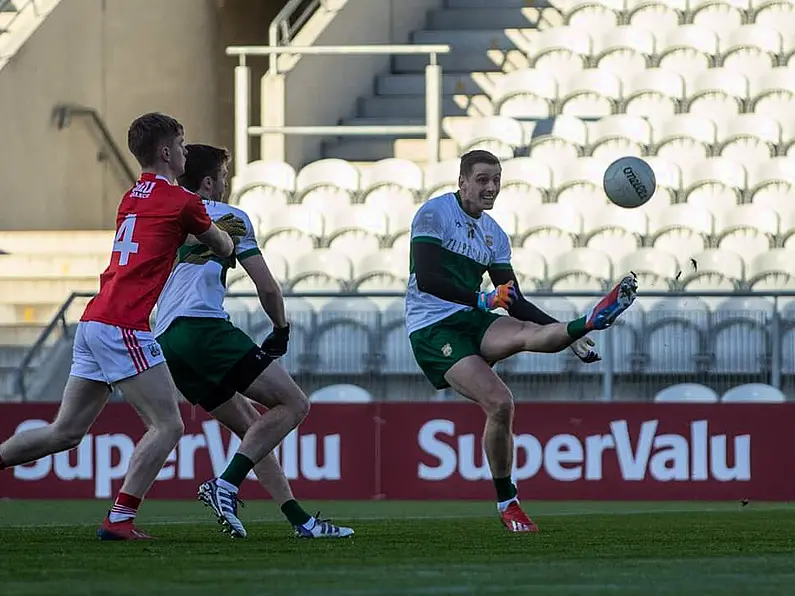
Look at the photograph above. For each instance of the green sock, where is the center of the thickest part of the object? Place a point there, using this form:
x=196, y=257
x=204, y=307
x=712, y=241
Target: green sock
x=294, y=513
x=505, y=489
x=576, y=328
x=237, y=470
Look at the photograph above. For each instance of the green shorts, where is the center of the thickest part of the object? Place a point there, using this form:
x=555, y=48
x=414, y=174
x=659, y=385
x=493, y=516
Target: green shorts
x=210, y=359
x=439, y=346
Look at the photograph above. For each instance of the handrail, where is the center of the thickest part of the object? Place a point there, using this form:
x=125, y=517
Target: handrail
x=433, y=96
x=63, y=113
x=281, y=23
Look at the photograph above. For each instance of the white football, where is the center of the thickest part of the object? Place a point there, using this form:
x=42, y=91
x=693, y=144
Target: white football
x=629, y=182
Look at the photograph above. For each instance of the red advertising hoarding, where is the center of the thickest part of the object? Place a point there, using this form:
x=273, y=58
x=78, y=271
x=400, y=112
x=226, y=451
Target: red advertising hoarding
x=432, y=451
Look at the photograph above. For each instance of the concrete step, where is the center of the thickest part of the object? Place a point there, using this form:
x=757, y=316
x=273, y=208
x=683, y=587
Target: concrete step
x=413, y=106
x=373, y=149
x=479, y=40
x=20, y=335
x=497, y=18
x=464, y=62
x=476, y=83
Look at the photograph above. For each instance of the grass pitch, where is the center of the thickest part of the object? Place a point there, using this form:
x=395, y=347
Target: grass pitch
x=405, y=548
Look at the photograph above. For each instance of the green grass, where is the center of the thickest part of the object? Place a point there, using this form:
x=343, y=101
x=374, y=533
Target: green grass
x=406, y=548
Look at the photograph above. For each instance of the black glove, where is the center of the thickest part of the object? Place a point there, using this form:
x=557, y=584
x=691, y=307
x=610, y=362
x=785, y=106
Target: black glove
x=275, y=345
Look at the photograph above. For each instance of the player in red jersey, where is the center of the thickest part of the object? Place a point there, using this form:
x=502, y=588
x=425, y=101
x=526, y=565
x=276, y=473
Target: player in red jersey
x=113, y=343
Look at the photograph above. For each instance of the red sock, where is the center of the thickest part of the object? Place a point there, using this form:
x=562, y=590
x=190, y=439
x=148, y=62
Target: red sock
x=125, y=507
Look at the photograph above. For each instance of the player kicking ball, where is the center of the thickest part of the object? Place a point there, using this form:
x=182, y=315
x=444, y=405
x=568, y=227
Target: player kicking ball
x=113, y=344
x=213, y=362
x=453, y=333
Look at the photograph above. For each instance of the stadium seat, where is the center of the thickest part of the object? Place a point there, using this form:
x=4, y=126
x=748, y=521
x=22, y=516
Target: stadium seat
x=717, y=93
x=721, y=17
x=388, y=179
x=340, y=394
x=772, y=270
x=656, y=269
x=655, y=92
x=353, y=242
x=681, y=229
x=579, y=185
x=558, y=140
x=779, y=16
x=526, y=94
x=276, y=177
x=676, y=334
x=321, y=270
x=580, y=269
x=683, y=139
x=328, y=177
x=498, y=134
x=687, y=393
x=528, y=176
x=740, y=337
x=380, y=271
x=751, y=49
x=589, y=94
x=771, y=184
x=561, y=51
x=296, y=218
x=552, y=231
x=652, y=16
x=754, y=393
x=345, y=336
x=747, y=230
x=669, y=183
x=688, y=50
x=277, y=265
x=593, y=17
x=716, y=183
x=748, y=139
x=715, y=269
x=530, y=268
x=623, y=51
x=440, y=178
x=615, y=136
x=614, y=233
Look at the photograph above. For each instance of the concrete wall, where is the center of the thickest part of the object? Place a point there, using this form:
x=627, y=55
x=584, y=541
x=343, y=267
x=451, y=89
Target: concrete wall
x=322, y=89
x=121, y=57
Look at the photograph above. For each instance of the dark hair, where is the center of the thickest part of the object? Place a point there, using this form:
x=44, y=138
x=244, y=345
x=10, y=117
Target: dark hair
x=202, y=161
x=148, y=133
x=468, y=161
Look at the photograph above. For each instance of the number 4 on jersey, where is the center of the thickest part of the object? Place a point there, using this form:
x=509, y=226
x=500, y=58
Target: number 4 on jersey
x=123, y=242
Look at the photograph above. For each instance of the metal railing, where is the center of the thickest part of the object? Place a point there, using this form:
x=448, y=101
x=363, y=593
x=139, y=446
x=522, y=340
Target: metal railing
x=650, y=348
x=288, y=22
x=63, y=113
x=433, y=96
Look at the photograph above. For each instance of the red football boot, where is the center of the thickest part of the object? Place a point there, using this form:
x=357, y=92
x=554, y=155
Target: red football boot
x=124, y=530
x=516, y=520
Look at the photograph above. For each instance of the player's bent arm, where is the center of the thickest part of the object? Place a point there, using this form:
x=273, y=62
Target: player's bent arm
x=268, y=290
x=521, y=308
x=431, y=279
x=219, y=241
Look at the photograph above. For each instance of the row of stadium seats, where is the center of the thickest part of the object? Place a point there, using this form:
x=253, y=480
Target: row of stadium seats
x=745, y=171
x=681, y=336
x=324, y=269
x=755, y=393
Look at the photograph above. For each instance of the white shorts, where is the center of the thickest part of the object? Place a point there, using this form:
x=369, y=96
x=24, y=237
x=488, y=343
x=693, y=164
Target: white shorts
x=108, y=354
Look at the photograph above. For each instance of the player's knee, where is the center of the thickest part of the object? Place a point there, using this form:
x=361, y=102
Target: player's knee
x=66, y=437
x=171, y=429
x=499, y=405
x=301, y=409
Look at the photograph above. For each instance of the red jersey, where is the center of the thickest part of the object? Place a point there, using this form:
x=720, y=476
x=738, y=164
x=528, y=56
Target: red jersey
x=153, y=221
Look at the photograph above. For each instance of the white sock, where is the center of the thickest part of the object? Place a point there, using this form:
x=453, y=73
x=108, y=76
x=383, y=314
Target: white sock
x=503, y=505
x=227, y=486
x=310, y=524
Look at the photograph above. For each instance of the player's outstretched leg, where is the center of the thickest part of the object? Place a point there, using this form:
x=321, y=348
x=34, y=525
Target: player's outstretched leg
x=287, y=407
x=608, y=309
x=473, y=378
x=153, y=394
x=238, y=414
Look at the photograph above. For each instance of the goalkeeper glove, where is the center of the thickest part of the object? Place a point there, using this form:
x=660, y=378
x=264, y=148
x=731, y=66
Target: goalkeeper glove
x=232, y=225
x=501, y=297
x=582, y=349
x=275, y=345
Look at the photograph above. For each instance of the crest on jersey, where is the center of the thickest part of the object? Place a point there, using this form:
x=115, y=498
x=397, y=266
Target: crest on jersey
x=489, y=241
x=447, y=350
x=154, y=350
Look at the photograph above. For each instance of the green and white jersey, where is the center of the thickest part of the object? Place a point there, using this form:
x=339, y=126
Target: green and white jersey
x=471, y=246
x=194, y=290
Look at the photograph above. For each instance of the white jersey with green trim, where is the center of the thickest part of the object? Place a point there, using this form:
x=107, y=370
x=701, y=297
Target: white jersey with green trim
x=470, y=246
x=198, y=290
